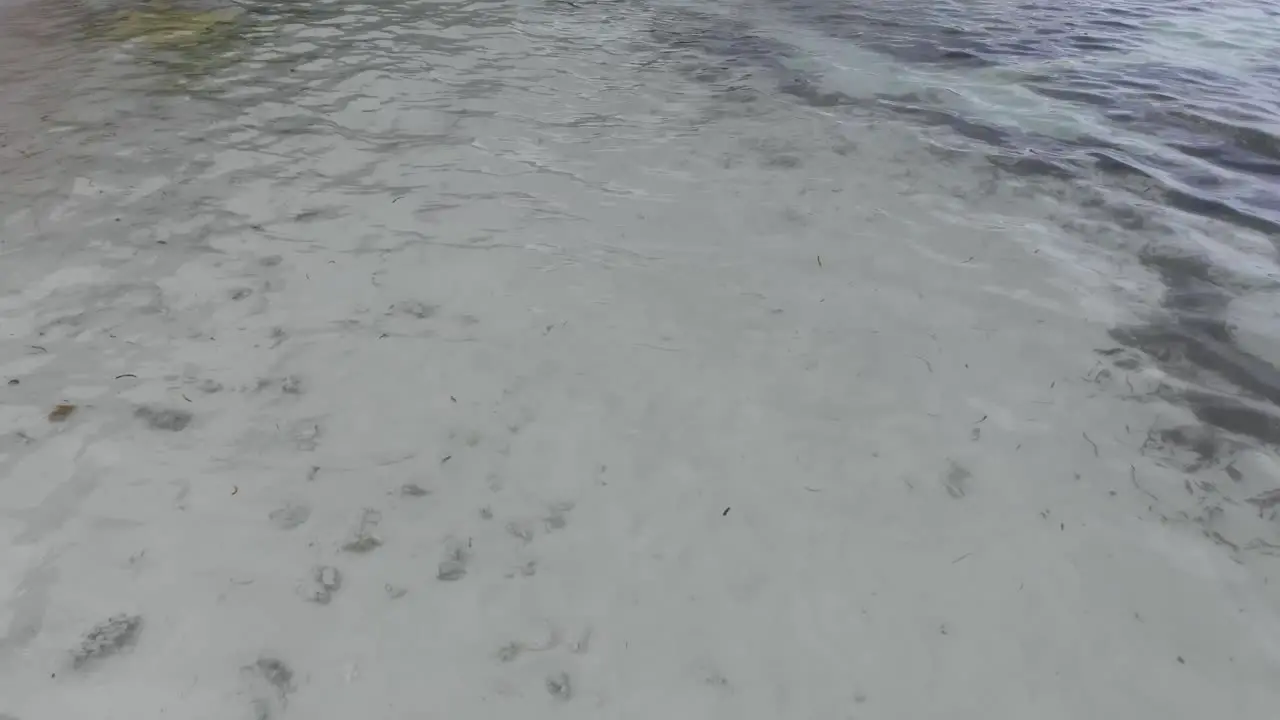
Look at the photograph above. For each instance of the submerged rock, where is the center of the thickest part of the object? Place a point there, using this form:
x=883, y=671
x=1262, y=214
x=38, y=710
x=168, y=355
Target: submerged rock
x=159, y=418
x=108, y=638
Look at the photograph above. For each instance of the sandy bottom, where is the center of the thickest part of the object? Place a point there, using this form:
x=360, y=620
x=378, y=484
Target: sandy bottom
x=565, y=420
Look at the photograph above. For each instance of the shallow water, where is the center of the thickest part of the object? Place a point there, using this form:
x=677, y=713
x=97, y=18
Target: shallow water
x=1145, y=134
x=933, y=302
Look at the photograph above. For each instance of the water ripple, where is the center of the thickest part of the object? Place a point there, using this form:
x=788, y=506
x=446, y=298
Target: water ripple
x=1189, y=94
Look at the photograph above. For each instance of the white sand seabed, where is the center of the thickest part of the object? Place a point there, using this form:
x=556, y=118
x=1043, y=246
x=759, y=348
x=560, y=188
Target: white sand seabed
x=674, y=466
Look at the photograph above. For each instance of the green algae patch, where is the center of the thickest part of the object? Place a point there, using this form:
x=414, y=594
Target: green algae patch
x=163, y=26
